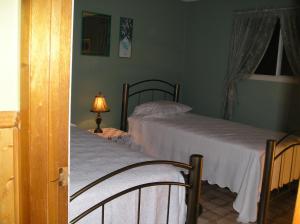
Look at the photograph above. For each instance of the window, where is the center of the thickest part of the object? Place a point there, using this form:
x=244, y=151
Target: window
x=274, y=65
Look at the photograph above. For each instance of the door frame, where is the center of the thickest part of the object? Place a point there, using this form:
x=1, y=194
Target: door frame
x=46, y=27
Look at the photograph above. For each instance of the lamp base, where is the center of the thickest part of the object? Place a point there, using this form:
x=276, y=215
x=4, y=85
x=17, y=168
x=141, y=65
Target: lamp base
x=98, y=130
x=98, y=122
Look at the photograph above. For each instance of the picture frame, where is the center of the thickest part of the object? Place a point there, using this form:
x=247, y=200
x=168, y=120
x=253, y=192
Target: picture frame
x=96, y=29
x=125, y=37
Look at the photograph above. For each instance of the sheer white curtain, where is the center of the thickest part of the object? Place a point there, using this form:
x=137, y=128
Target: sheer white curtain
x=290, y=30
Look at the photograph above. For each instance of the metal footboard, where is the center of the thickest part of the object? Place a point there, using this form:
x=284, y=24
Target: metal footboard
x=193, y=188
x=270, y=159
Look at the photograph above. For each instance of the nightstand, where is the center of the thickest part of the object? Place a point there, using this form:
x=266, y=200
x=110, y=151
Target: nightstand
x=114, y=135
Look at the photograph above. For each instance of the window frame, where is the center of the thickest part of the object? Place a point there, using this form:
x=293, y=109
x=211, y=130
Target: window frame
x=277, y=77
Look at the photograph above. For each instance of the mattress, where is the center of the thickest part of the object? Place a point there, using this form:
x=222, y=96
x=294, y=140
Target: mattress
x=233, y=153
x=93, y=157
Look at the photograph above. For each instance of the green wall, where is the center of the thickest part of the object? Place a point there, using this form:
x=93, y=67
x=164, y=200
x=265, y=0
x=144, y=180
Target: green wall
x=157, y=52
x=262, y=104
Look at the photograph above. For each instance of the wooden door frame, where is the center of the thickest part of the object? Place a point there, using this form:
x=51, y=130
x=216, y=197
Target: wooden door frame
x=44, y=110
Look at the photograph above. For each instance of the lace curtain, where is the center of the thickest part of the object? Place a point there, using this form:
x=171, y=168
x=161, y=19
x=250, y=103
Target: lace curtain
x=290, y=30
x=251, y=35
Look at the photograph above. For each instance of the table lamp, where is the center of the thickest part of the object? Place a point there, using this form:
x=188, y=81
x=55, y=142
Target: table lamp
x=99, y=106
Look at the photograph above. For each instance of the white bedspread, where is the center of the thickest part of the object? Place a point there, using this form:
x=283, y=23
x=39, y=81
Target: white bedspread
x=93, y=157
x=233, y=154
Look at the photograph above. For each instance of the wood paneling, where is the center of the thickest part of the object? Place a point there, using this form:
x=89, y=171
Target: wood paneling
x=45, y=61
x=6, y=177
x=8, y=119
x=9, y=188
x=16, y=137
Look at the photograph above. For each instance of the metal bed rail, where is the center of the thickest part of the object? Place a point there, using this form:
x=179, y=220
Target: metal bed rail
x=129, y=91
x=285, y=137
x=270, y=159
x=193, y=188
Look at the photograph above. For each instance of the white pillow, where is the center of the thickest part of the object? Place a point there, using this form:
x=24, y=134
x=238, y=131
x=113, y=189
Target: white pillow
x=160, y=108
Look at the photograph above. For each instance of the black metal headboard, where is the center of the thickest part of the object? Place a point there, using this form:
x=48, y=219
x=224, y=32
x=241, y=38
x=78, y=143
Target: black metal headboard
x=129, y=90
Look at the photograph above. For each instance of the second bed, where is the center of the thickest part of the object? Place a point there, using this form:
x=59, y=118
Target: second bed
x=233, y=153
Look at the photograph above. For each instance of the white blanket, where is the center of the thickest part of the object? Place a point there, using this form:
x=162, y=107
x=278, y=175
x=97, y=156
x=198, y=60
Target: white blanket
x=233, y=153
x=93, y=157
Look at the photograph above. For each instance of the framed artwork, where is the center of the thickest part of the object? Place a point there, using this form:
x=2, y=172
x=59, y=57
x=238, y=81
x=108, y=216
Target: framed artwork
x=126, y=28
x=95, y=38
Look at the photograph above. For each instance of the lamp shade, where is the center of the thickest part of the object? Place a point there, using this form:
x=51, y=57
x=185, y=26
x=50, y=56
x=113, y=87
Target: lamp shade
x=99, y=104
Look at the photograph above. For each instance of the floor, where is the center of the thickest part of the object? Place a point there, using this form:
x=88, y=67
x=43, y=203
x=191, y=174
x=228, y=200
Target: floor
x=217, y=207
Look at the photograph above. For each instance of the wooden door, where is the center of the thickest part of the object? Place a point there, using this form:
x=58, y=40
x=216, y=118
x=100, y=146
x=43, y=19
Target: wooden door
x=44, y=114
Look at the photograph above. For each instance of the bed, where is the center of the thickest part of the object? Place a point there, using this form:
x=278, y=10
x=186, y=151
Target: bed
x=101, y=171
x=233, y=153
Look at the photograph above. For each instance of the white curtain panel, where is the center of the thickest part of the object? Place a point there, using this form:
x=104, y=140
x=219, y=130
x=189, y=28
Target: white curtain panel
x=290, y=30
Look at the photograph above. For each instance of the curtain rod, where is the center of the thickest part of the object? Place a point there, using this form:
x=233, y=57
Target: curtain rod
x=266, y=9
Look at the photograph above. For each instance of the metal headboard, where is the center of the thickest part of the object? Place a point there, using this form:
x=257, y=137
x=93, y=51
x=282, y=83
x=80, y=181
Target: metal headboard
x=130, y=90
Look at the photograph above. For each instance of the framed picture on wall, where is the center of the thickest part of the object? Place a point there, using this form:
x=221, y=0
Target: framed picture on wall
x=95, y=38
x=126, y=29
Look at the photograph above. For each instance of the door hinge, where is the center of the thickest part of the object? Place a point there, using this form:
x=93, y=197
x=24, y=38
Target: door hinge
x=63, y=176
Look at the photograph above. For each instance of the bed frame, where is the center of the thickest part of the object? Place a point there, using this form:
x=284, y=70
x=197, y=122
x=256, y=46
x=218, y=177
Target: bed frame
x=270, y=159
x=193, y=187
x=130, y=90
x=271, y=145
